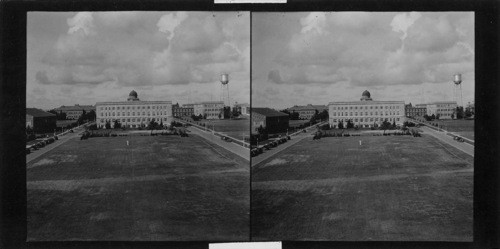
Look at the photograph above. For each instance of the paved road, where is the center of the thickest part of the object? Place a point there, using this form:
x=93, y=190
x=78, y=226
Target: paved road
x=61, y=140
x=441, y=135
x=232, y=147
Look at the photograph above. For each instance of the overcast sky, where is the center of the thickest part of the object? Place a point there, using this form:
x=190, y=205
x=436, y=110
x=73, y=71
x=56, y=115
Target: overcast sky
x=87, y=57
x=301, y=58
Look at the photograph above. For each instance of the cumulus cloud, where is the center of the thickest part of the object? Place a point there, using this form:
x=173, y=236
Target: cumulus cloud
x=401, y=22
x=82, y=21
x=134, y=48
x=369, y=49
x=274, y=76
x=340, y=54
x=169, y=22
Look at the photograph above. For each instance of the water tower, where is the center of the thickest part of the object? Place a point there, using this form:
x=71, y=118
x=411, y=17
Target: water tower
x=457, y=80
x=224, y=80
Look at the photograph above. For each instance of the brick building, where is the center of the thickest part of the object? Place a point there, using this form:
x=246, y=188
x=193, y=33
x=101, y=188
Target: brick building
x=274, y=121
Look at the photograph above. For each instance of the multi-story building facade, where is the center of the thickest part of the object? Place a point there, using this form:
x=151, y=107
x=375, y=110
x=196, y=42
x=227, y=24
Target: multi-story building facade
x=209, y=109
x=133, y=113
x=415, y=111
x=74, y=112
x=182, y=111
x=443, y=109
x=366, y=112
x=307, y=111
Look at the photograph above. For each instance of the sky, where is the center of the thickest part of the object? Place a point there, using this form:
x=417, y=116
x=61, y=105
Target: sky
x=301, y=58
x=88, y=57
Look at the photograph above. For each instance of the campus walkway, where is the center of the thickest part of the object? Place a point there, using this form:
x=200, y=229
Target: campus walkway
x=232, y=147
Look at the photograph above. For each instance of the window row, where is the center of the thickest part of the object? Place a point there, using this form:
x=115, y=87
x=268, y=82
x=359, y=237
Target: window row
x=132, y=107
x=387, y=113
x=366, y=107
x=110, y=114
x=355, y=120
x=132, y=120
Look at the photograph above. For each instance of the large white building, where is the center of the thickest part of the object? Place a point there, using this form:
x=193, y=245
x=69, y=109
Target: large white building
x=366, y=112
x=443, y=108
x=209, y=109
x=133, y=112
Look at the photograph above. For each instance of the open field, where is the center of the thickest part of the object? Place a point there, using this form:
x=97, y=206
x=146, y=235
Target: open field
x=237, y=128
x=297, y=123
x=389, y=188
x=158, y=188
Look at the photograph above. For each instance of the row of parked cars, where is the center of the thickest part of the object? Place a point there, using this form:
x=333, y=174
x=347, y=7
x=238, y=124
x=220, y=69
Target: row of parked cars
x=40, y=144
x=268, y=146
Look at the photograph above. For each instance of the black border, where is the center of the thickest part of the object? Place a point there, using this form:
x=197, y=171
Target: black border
x=13, y=100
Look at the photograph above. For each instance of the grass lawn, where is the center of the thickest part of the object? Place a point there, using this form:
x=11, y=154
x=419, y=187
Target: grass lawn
x=237, y=128
x=158, y=188
x=389, y=188
x=297, y=123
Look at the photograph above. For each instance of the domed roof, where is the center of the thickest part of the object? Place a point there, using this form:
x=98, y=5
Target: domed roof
x=132, y=96
x=133, y=93
x=366, y=93
x=366, y=96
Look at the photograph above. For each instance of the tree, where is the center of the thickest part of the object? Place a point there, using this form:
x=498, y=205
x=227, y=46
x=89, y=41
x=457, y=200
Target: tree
x=433, y=117
x=117, y=124
x=393, y=124
x=468, y=112
x=350, y=124
x=437, y=116
x=107, y=125
x=235, y=113
x=385, y=125
x=161, y=124
x=452, y=116
x=152, y=124
x=341, y=125
x=323, y=115
x=195, y=118
x=294, y=115
x=227, y=112
x=91, y=115
x=460, y=112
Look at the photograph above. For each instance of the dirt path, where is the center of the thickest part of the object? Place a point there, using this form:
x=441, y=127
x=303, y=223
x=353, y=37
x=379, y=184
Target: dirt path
x=69, y=185
x=300, y=185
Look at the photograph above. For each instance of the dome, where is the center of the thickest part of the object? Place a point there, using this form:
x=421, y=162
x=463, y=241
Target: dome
x=132, y=96
x=366, y=96
x=366, y=93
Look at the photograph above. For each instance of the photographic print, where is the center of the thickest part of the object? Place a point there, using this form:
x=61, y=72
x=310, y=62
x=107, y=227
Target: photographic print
x=137, y=126
x=362, y=126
